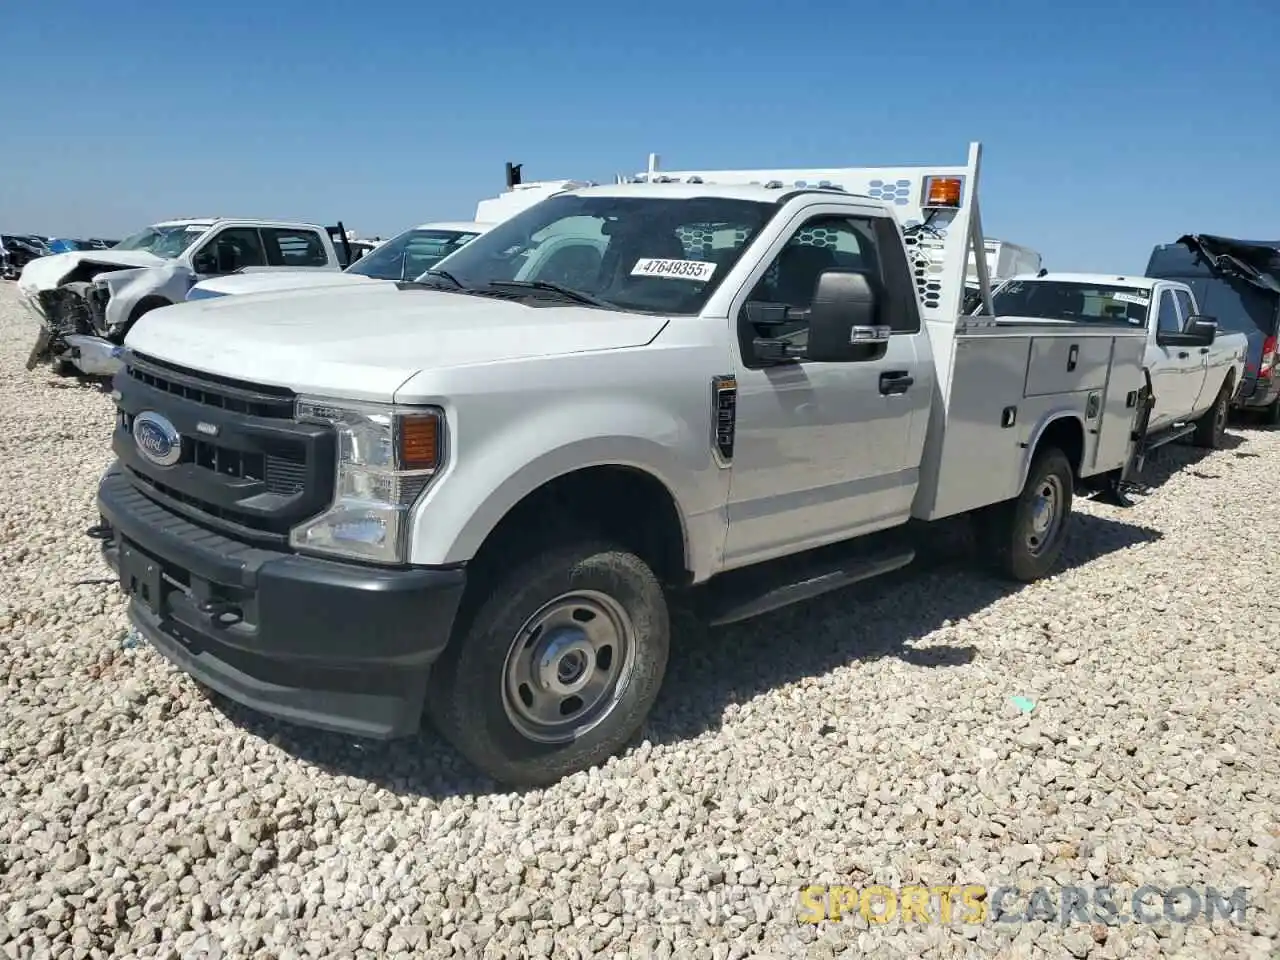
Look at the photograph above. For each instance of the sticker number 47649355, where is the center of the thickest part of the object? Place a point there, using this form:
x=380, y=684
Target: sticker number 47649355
x=675, y=269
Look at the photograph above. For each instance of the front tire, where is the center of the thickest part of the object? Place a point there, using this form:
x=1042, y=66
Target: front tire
x=1022, y=539
x=1212, y=425
x=558, y=666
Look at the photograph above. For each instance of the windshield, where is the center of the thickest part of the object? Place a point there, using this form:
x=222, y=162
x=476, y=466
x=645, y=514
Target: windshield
x=647, y=254
x=1079, y=302
x=410, y=254
x=166, y=242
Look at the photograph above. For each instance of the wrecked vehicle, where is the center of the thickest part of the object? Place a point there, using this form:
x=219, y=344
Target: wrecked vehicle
x=16, y=251
x=86, y=300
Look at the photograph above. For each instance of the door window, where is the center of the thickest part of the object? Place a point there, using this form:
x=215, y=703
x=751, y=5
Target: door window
x=822, y=243
x=1167, y=319
x=1185, y=306
x=235, y=248
x=294, y=248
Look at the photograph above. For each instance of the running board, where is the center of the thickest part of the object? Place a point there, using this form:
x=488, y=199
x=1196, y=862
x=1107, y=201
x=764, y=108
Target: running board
x=742, y=594
x=1175, y=432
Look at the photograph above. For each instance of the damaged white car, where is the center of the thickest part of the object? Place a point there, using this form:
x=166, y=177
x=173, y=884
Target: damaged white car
x=86, y=300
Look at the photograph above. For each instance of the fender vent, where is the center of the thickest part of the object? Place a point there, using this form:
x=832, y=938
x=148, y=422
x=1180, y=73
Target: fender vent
x=724, y=415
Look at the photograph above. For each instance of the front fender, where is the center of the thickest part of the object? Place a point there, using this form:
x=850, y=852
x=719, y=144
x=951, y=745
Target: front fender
x=485, y=479
x=128, y=288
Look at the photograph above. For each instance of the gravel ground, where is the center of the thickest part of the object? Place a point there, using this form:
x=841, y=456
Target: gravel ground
x=1117, y=724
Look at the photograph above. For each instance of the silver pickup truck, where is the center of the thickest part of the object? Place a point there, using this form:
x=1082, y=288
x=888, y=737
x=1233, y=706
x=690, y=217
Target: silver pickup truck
x=484, y=492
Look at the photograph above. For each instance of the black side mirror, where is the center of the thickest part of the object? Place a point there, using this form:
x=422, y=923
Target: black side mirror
x=1203, y=330
x=228, y=258
x=840, y=324
x=843, y=325
x=206, y=261
x=1197, y=332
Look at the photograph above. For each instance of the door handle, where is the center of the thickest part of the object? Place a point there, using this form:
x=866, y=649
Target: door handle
x=1204, y=349
x=895, y=381
x=1182, y=354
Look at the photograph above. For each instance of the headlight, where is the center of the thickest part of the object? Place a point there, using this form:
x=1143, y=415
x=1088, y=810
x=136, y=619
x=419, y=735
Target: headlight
x=386, y=458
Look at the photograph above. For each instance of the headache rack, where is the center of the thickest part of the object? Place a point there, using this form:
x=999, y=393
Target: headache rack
x=936, y=207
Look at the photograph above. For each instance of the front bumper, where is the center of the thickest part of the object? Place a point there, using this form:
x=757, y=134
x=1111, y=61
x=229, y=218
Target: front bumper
x=1256, y=392
x=337, y=646
x=93, y=356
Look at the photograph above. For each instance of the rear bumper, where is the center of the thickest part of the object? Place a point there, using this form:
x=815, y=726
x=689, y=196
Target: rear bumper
x=337, y=646
x=1257, y=392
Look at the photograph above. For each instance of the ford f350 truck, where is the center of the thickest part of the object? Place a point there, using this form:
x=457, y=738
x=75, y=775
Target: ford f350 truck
x=484, y=492
x=87, y=300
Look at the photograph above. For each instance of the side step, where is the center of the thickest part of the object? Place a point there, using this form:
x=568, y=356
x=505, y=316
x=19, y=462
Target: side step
x=742, y=594
x=1175, y=432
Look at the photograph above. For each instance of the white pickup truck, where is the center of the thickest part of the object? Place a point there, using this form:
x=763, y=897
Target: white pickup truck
x=483, y=492
x=1194, y=367
x=87, y=300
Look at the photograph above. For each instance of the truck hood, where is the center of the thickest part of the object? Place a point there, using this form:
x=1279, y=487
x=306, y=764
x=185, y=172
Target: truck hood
x=45, y=273
x=242, y=283
x=365, y=340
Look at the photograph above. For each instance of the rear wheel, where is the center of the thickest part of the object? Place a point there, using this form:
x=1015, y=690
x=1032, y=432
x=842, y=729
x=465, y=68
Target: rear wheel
x=1212, y=425
x=1022, y=539
x=1271, y=414
x=558, y=666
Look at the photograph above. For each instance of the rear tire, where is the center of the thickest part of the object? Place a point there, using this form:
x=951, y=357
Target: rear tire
x=1271, y=414
x=1212, y=425
x=589, y=619
x=1022, y=539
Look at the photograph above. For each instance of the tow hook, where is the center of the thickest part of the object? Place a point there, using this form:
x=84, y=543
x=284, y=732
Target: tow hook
x=99, y=531
x=221, y=612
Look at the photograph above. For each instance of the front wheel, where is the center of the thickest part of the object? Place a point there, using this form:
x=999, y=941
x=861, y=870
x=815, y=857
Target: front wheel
x=1022, y=539
x=1212, y=425
x=557, y=668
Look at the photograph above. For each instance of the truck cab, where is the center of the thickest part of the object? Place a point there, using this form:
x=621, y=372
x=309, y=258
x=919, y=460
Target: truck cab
x=87, y=300
x=1194, y=367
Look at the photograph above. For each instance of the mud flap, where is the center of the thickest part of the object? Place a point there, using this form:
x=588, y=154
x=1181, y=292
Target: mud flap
x=41, y=349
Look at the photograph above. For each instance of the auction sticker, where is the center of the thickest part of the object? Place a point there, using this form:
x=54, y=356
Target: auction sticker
x=1131, y=298
x=675, y=269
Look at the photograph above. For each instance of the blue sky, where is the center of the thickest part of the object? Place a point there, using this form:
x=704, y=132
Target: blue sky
x=1106, y=129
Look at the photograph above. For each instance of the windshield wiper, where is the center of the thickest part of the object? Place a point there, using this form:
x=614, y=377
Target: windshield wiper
x=443, y=274
x=577, y=296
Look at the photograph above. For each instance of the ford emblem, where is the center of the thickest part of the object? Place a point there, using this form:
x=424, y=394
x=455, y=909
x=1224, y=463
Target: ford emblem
x=157, y=439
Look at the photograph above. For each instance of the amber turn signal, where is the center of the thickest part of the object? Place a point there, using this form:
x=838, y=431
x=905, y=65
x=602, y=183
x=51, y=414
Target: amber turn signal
x=418, y=441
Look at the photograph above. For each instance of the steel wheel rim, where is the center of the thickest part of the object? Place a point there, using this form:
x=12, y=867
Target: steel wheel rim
x=1046, y=515
x=568, y=666
x=1220, y=416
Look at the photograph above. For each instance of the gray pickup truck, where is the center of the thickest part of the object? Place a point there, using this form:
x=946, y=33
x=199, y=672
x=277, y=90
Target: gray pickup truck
x=482, y=493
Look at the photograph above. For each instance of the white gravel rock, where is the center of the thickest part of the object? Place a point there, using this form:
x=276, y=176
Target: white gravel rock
x=871, y=737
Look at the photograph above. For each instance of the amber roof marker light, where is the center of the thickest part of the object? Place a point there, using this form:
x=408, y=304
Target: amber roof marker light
x=943, y=193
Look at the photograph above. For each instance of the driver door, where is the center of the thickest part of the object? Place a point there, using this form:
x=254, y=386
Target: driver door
x=826, y=451
x=229, y=250
x=1178, y=373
